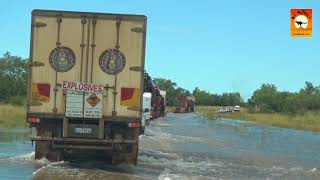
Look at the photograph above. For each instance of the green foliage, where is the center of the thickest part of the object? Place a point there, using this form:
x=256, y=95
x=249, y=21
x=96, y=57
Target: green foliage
x=207, y=99
x=268, y=99
x=17, y=100
x=171, y=89
x=13, y=77
x=307, y=121
x=202, y=97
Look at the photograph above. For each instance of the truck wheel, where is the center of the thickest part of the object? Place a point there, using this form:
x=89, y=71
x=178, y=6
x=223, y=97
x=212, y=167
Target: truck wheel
x=129, y=157
x=134, y=159
x=44, y=149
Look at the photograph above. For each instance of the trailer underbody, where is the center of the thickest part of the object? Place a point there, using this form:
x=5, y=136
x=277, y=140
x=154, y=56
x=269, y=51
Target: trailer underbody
x=114, y=142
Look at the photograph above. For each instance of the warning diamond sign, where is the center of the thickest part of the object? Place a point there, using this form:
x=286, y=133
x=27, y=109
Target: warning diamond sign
x=93, y=100
x=93, y=105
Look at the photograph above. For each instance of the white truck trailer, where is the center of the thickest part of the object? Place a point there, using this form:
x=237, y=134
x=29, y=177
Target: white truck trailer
x=85, y=84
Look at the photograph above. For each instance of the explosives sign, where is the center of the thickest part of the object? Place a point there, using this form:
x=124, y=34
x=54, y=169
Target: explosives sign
x=301, y=22
x=81, y=103
x=80, y=86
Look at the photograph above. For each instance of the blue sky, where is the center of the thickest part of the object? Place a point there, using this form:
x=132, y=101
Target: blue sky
x=219, y=46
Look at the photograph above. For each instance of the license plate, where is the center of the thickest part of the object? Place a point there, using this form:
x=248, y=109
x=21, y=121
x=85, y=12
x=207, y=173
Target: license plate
x=83, y=130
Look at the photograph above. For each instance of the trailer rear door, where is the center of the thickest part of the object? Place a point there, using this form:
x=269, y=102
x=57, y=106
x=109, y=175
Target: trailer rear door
x=94, y=48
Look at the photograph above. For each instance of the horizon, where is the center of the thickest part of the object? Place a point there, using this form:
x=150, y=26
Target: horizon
x=215, y=51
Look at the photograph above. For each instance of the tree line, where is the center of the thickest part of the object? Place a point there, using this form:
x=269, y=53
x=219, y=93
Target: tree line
x=202, y=97
x=267, y=98
x=13, y=79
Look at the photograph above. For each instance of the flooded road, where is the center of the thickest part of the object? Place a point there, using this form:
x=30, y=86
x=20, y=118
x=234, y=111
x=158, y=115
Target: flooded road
x=182, y=146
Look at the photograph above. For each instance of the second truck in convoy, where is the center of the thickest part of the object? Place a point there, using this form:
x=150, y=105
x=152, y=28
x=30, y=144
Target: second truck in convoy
x=158, y=97
x=154, y=102
x=146, y=114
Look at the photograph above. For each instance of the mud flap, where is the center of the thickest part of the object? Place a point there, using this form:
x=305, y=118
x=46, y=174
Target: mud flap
x=129, y=158
x=44, y=149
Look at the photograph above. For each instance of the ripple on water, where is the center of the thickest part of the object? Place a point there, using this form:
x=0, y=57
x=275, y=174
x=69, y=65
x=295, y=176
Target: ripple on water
x=161, y=165
x=159, y=157
x=195, y=167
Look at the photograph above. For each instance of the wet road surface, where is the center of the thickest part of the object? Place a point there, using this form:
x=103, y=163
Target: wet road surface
x=182, y=146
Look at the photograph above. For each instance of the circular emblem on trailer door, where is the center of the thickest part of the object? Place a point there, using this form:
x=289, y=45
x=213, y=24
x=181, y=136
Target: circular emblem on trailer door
x=112, y=61
x=62, y=59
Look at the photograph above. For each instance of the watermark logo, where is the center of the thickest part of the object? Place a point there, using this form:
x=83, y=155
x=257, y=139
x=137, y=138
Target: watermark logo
x=301, y=22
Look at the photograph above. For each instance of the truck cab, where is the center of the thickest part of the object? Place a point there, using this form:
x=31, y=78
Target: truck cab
x=184, y=104
x=146, y=115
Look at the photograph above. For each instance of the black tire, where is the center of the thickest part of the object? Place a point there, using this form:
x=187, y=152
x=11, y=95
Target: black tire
x=45, y=149
x=132, y=156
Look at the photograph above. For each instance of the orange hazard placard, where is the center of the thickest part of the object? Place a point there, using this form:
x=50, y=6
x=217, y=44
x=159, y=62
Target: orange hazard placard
x=130, y=96
x=301, y=22
x=41, y=92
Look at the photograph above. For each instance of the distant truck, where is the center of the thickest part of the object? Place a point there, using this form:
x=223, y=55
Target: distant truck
x=184, y=104
x=85, y=84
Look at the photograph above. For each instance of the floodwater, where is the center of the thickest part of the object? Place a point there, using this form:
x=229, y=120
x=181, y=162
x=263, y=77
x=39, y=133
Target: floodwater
x=182, y=146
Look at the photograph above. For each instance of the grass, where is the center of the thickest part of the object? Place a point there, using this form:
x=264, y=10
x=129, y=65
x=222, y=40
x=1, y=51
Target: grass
x=169, y=108
x=309, y=121
x=12, y=116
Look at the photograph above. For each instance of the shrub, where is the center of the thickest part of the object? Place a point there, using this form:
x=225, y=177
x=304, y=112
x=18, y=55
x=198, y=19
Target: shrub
x=17, y=100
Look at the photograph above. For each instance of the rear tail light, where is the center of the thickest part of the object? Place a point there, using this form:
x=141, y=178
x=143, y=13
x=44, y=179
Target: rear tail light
x=134, y=125
x=33, y=120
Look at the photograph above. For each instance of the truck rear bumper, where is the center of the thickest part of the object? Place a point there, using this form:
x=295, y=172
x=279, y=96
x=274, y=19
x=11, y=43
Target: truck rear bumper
x=83, y=140
x=57, y=116
x=83, y=143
